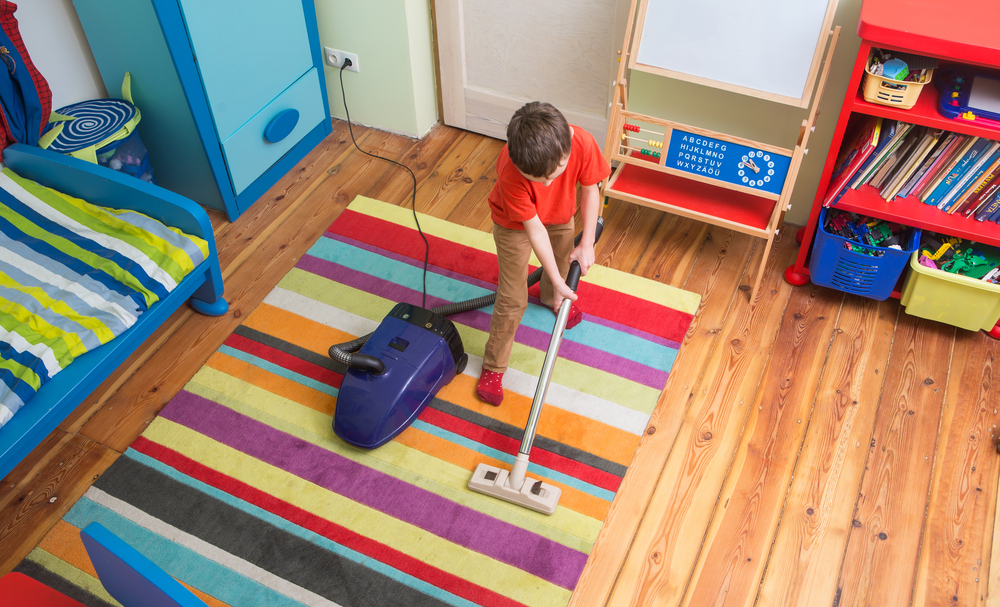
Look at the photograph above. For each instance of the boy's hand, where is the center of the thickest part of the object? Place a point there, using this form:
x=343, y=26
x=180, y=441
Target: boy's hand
x=584, y=255
x=561, y=291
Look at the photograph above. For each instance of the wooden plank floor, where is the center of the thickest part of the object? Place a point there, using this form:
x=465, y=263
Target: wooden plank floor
x=810, y=448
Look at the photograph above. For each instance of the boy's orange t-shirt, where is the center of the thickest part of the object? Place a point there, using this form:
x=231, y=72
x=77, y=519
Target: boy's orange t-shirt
x=515, y=200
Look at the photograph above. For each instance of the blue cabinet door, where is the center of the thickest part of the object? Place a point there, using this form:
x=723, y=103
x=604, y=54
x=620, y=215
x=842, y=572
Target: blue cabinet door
x=247, y=53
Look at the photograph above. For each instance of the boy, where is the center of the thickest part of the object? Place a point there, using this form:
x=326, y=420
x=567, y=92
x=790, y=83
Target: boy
x=532, y=205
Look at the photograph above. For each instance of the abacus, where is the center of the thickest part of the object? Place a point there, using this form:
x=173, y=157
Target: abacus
x=635, y=145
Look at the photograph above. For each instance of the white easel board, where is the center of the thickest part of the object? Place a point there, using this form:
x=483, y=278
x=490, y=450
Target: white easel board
x=765, y=48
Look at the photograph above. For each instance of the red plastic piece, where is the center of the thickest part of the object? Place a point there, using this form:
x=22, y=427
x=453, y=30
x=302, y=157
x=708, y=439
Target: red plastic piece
x=965, y=33
x=795, y=278
x=800, y=235
x=19, y=589
x=995, y=334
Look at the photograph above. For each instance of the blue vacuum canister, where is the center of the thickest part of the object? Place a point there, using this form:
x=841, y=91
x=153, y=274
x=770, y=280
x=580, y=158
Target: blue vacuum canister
x=421, y=352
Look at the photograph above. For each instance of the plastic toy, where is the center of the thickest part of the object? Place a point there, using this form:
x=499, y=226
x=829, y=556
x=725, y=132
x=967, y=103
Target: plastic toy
x=968, y=263
x=897, y=69
x=865, y=231
x=941, y=249
x=961, y=93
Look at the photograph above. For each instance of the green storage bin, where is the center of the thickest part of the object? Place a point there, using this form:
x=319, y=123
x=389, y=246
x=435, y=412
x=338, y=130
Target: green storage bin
x=956, y=300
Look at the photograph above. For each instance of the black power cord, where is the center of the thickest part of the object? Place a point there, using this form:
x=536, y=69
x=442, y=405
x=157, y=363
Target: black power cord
x=347, y=353
x=427, y=247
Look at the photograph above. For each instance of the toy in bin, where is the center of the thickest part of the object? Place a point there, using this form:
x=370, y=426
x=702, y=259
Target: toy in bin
x=962, y=257
x=101, y=131
x=875, y=234
x=860, y=255
x=896, y=79
x=954, y=281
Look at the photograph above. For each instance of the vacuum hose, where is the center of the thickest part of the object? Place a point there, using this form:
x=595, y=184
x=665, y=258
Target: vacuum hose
x=347, y=353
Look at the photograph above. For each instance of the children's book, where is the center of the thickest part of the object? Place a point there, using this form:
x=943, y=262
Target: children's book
x=971, y=152
x=923, y=147
x=982, y=177
x=887, y=165
x=991, y=207
x=983, y=198
x=948, y=159
x=989, y=210
x=852, y=158
x=864, y=134
x=894, y=164
x=923, y=172
x=892, y=135
x=972, y=194
x=987, y=155
x=886, y=135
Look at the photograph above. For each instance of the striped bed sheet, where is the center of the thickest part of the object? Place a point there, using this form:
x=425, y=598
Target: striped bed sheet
x=74, y=276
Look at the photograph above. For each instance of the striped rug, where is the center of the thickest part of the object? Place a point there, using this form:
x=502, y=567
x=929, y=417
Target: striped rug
x=240, y=489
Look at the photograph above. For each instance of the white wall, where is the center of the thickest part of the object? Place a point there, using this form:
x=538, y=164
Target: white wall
x=56, y=44
x=395, y=87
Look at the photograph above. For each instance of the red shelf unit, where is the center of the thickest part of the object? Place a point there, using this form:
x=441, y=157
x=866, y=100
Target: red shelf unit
x=924, y=27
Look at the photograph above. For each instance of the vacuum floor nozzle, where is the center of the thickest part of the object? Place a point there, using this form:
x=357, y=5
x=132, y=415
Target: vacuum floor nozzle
x=534, y=494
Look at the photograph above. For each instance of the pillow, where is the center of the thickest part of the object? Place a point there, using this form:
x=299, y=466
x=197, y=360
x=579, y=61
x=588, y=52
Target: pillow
x=74, y=276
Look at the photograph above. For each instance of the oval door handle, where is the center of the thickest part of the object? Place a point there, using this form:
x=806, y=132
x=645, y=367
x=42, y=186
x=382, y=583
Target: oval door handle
x=281, y=126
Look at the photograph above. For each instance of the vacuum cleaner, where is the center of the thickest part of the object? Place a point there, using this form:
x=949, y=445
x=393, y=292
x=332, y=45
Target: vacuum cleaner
x=410, y=356
x=394, y=372
x=512, y=485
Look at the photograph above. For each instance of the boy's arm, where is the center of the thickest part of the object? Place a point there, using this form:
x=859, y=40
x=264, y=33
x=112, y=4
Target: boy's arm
x=538, y=236
x=590, y=206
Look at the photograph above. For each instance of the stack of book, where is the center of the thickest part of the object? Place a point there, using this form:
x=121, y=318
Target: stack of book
x=958, y=174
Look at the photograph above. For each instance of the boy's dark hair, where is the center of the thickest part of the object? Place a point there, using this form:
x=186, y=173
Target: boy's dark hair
x=538, y=138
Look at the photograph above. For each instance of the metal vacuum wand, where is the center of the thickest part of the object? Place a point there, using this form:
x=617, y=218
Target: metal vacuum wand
x=521, y=462
x=511, y=485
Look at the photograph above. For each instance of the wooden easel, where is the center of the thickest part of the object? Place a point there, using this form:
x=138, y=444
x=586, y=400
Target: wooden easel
x=701, y=174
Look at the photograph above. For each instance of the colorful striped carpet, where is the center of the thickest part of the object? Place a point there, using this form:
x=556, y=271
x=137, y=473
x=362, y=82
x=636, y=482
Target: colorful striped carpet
x=240, y=489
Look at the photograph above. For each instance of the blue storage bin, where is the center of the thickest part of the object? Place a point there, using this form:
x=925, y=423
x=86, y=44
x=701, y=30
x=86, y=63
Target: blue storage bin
x=831, y=265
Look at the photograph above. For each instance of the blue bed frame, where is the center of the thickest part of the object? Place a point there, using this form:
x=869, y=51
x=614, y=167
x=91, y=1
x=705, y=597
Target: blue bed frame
x=102, y=186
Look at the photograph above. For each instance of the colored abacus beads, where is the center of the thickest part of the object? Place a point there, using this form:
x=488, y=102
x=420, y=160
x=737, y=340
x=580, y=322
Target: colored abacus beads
x=656, y=144
x=631, y=127
x=646, y=152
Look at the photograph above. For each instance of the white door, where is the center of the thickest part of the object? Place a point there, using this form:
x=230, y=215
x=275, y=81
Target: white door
x=496, y=55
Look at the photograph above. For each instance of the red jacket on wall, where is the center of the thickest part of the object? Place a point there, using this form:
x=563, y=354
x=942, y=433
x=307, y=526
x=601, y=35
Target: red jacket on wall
x=25, y=97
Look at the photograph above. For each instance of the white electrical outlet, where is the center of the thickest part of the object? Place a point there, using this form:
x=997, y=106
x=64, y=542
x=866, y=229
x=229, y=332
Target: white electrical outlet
x=335, y=58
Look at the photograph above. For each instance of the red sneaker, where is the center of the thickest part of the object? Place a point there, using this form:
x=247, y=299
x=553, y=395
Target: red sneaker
x=490, y=387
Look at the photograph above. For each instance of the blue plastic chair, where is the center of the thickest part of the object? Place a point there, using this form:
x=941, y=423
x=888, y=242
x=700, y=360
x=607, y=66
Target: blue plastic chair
x=131, y=578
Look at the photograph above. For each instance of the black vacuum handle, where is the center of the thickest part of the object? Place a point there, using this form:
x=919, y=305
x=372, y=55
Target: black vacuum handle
x=367, y=362
x=573, y=276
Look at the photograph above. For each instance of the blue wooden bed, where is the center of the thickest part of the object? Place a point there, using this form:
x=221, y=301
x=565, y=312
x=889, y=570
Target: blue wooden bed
x=203, y=286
